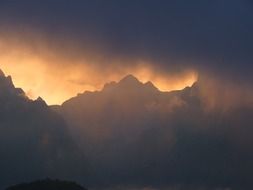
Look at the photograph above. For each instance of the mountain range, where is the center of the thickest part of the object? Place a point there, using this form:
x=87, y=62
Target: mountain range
x=34, y=141
x=128, y=135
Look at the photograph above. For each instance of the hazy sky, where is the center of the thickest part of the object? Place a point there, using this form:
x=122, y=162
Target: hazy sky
x=84, y=44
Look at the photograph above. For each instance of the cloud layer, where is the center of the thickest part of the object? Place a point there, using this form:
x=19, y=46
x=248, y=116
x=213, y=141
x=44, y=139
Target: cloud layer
x=86, y=44
x=59, y=73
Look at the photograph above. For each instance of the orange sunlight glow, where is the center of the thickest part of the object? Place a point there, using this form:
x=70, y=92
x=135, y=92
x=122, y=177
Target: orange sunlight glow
x=55, y=78
x=56, y=85
x=164, y=81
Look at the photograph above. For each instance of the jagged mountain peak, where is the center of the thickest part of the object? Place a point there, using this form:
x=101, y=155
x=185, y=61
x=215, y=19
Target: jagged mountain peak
x=2, y=73
x=40, y=101
x=150, y=85
x=6, y=82
x=129, y=79
x=130, y=82
x=7, y=87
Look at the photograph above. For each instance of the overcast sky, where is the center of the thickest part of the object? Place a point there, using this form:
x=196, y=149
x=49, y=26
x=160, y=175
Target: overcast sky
x=209, y=35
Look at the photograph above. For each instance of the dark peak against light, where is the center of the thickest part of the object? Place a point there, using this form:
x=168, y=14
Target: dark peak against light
x=130, y=82
x=7, y=87
x=2, y=73
x=130, y=79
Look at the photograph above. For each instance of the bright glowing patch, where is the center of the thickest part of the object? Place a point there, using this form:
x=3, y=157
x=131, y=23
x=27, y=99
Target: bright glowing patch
x=56, y=76
x=56, y=85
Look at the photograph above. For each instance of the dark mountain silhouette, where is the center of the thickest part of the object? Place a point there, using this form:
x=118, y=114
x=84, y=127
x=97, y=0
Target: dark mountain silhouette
x=130, y=83
x=129, y=134
x=123, y=107
x=33, y=138
x=47, y=184
x=142, y=135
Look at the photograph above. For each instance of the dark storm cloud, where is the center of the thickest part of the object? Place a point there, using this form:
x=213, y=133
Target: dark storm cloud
x=204, y=35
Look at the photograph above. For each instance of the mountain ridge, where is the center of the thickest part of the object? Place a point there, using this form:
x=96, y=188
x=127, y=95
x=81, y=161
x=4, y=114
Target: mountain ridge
x=31, y=134
x=128, y=133
x=127, y=84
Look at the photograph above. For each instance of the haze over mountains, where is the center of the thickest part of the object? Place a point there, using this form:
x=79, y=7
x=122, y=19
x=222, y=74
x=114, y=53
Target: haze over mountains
x=128, y=135
x=34, y=141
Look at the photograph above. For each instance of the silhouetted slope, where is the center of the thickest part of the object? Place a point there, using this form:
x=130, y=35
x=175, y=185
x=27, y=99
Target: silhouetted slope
x=122, y=107
x=47, y=184
x=33, y=138
x=127, y=102
x=132, y=133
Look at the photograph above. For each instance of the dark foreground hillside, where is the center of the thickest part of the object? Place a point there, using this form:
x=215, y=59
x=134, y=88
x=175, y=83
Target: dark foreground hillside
x=47, y=184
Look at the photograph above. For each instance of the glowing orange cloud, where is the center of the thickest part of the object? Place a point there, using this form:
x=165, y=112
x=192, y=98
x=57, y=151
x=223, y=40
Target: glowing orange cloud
x=56, y=77
x=56, y=84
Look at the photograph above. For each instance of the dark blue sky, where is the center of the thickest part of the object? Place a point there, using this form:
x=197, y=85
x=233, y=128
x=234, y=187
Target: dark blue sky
x=213, y=35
